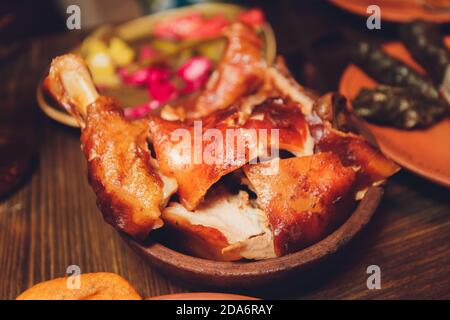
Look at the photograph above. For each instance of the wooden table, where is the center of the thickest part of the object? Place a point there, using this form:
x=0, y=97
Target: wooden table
x=52, y=221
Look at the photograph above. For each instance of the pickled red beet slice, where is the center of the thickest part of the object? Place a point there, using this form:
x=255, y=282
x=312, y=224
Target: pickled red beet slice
x=137, y=78
x=191, y=26
x=253, y=17
x=141, y=110
x=147, y=52
x=194, y=73
x=162, y=91
x=195, y=68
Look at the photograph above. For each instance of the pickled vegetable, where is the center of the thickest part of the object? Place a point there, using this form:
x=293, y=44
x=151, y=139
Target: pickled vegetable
x=191, y=26
x=92, y=45
x=103, y=69
x=121, y=53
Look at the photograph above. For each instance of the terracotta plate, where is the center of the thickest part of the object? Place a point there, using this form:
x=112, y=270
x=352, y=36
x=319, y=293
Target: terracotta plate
x=425, y=152
x=397, y=10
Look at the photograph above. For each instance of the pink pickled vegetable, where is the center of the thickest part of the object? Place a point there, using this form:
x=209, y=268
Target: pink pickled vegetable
x=191, y=26
x=253, y=17
x=159, y=85
x=147, y=52
x=195, y=68
x=157, y=74
x=162, y=91
x=137, y=78
x=143, y=76
x=141, y=110
x=177, y=27
x=211, y=28
x=194, y=73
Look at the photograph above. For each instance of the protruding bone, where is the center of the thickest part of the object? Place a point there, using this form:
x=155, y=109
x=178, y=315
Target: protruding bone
x=70, y=83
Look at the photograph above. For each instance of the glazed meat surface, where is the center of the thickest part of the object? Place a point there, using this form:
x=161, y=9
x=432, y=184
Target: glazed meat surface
x=286, y=117
x=239, y=73
x=197, y=160
x=304, y=200
x=372, y=167
x=129, y=190
x=330, y=113
x=194, y=159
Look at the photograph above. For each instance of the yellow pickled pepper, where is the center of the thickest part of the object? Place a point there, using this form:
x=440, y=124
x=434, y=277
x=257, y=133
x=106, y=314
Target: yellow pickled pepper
x=121, y=53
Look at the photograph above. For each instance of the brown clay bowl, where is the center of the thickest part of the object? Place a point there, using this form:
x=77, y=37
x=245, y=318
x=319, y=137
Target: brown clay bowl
x=200, y=273
x=274, y=273
x=246, y=275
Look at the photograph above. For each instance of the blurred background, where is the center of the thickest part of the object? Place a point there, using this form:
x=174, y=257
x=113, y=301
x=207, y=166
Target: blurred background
x=41, y=220
x=313, y=36
x=24, y=19
x=27, y=24
x=303, y=28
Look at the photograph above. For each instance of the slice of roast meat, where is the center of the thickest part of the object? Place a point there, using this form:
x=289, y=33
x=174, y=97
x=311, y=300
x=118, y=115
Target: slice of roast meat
x=304, y=198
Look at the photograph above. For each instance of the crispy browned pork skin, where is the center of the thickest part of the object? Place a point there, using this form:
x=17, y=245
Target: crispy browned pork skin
x=129, y=190
x=300, y=203
x=196, y=172
x=331, y=125
x=305, y=200
x=240, y=72
x=181, y=153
